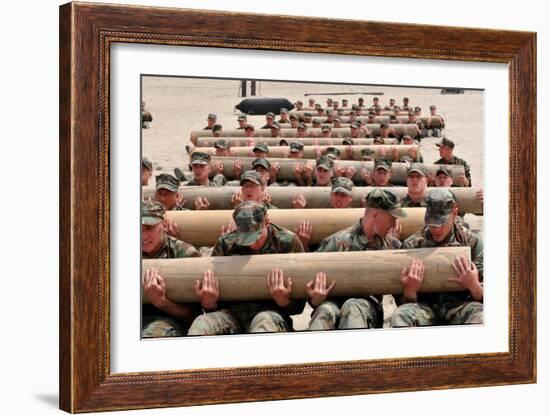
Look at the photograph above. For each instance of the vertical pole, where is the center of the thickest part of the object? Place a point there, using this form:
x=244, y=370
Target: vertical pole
x=253, y=88
x=243, y=88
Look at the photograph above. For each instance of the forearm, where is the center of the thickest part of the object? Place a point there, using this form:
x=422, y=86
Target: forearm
x=179, y=311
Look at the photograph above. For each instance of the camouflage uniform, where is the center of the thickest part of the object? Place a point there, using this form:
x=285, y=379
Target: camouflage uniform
x=436, y=131
x=168, y=182
x=156, y=323
x=198, y=157
x=407, y=201
x=255, y=177
x=211, y=117
x=367, y=312
x=455, y=160
x=254, y=316
x=442, y=308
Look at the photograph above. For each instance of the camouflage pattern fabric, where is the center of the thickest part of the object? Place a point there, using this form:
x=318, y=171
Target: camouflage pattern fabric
x=459, y=162
x=173, y=248
x=407, y=202
x=155, y=326
x=446, y=307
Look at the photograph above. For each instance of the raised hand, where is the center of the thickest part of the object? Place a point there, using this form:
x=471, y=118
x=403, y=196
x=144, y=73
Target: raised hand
x=208, y=291
x=154, y=287
x=304, y=231
x=318, y=290
x=299, y=202
x=411, y=279
x=201, y=203
x=279, y=289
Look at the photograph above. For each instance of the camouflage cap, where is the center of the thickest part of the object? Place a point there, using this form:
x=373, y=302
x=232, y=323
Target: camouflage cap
x=355, y=107
x=348, y=141
x=371, y=113
x=276, y=125
x=147, y=164
x=152, y=212
x=445, y=170
x=386, y=200
x=382, y=164
x=342, y=185
x=326, y=128
x=216, y=127
x=198, y=157
x=270, y=115
x=417, y=109
x=252, y=176
x=384, y=125
x=241, y=117
x=283, y=142
x=333, y=151
x=344, y=100
x=283, y=111
x=295, y=147
x=261, y=147
x=212, y=116
x=367, y=152
x=446, y=142
x=405, y=98
x=418, y=168
x=249, y=127
x=407, y=137
x=292, y=117
x=222, y=143
x=439, y=205
x=307, y=114
x=355, y=125
x=262, y=163
x=167, y=181
x=316, y=122
x=249, y=217
x=337, y=119
x=433, y=107
x=302, y=126
x=325, y=162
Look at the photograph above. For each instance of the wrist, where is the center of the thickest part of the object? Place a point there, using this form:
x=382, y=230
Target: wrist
x=410, y=296
x=282, y=302
x=209, y=306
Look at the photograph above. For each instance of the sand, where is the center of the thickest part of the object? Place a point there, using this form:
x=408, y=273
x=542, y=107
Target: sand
x=180, y=105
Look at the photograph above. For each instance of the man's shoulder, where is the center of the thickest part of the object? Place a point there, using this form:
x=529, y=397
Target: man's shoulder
x=181, y=249
x=416, y=240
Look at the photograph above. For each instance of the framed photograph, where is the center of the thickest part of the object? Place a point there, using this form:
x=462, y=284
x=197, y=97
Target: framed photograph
x=168, y=90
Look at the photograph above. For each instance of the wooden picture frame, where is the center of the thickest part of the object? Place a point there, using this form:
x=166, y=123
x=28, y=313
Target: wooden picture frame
x=86, y=33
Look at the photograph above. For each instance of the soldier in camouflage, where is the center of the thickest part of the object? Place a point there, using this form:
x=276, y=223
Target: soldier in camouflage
x=162, y=317
x=146, y=171
x=371, y=233
x=210, y=121
x=417, y=183
x=252, y=189
x=254, y=235
x=426, y=309
x=167, y=192
x=381, y=174
x=446, y=148
x=201, y=168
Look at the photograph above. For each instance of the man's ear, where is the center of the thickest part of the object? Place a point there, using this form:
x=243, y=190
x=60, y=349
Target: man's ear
x=267, y=219
x=164, y=224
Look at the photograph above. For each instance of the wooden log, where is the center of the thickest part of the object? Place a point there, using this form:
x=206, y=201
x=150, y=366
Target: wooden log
x=202, y=228
x=309, y=151
x=316, y=197
x=274, y=141
x=399, y=170
x=347, y=111
x=357, y=274
x=400, y=129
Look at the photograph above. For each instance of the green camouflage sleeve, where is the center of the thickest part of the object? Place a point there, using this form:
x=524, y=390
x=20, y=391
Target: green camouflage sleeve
x=219, y=180
x=477, y=256
x=296, y=246
x=220, y=248
x=334, y=243
x=412, y=242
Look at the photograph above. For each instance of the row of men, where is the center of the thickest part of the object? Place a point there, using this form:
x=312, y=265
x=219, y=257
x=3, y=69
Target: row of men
x=254, y=234
x=335, y=104
x=331, y=120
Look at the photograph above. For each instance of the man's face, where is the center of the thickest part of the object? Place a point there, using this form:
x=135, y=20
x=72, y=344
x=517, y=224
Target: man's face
x=416, y=183
x=392, y=102
x=201, y=171
x=432, y=111
x=340, y=200
x=217, y=133
x=256, y=246
x=151, y=237
x=249, y=132
x=383, y=222
x=375, y=101
x=354, y=132
x=266, y=175
x=222, y=152
x=301, y=132
x=275, y=132
x=337, y=124
x=326, y=133
x=252, y=191
x=323, y=176
x=445, y=152
x=381, y=177
x=268, y=120
x=145, y=176
x=439, y=233
x=211, y=122
x=260, y=154
x=384, y=132
x=296, y=154
x=167, y=198
x=242, y=123
x=412, y=118
x=294, y=123
x=442, y=180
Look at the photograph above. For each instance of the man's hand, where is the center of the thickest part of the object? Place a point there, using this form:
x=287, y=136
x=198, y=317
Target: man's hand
x=303, y=231
x=208, y=291
x=201, y=203
x=431, y=179
x=479, y=195
x=349, y=152
x=154, y=287
x=396, y=230
x=250, y=142
x=172, y=228
x=467, y=277
x=180, y=201
x=275, y=168
x=238, y=169
x=317, y=290
x=350, y=172
x=381, y=151
x=395, y=154
x=366, y=176
x=237, y=199
x=278, y=289
x=218, y=167
x=339, y=170
x=231, y=226
x=308, y=170
x=297, y=170
x=299, y=202
x=266, y=197
x=413, y=154
x=411, y=280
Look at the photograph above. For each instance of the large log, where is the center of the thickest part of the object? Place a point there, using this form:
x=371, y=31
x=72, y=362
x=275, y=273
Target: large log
x=347, y=111
x=274, y=141
x=316, y=197
x=399, y=170
x=400, y=129
x=309, y=151
x=202, y=228
x=357, y=274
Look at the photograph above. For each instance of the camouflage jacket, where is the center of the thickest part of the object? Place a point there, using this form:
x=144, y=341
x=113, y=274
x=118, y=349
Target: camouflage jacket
x=460, y=162
x=217, y=180
x=407, y=202
x=279, y=241
x=173, y=248
x=441, y=303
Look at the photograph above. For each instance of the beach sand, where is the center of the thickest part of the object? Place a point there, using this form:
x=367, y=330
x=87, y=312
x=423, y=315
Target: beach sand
x=181, y=105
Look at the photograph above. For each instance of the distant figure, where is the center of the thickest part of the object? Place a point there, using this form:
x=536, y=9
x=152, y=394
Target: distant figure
x=146, y=116
x=146, y=171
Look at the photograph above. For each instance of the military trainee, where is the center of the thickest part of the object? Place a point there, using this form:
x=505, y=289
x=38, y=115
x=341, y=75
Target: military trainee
x=254, y=235
x=446, y=148
x=146, y=171
x=163, y=317
x=442, y=229
x=371, y=233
